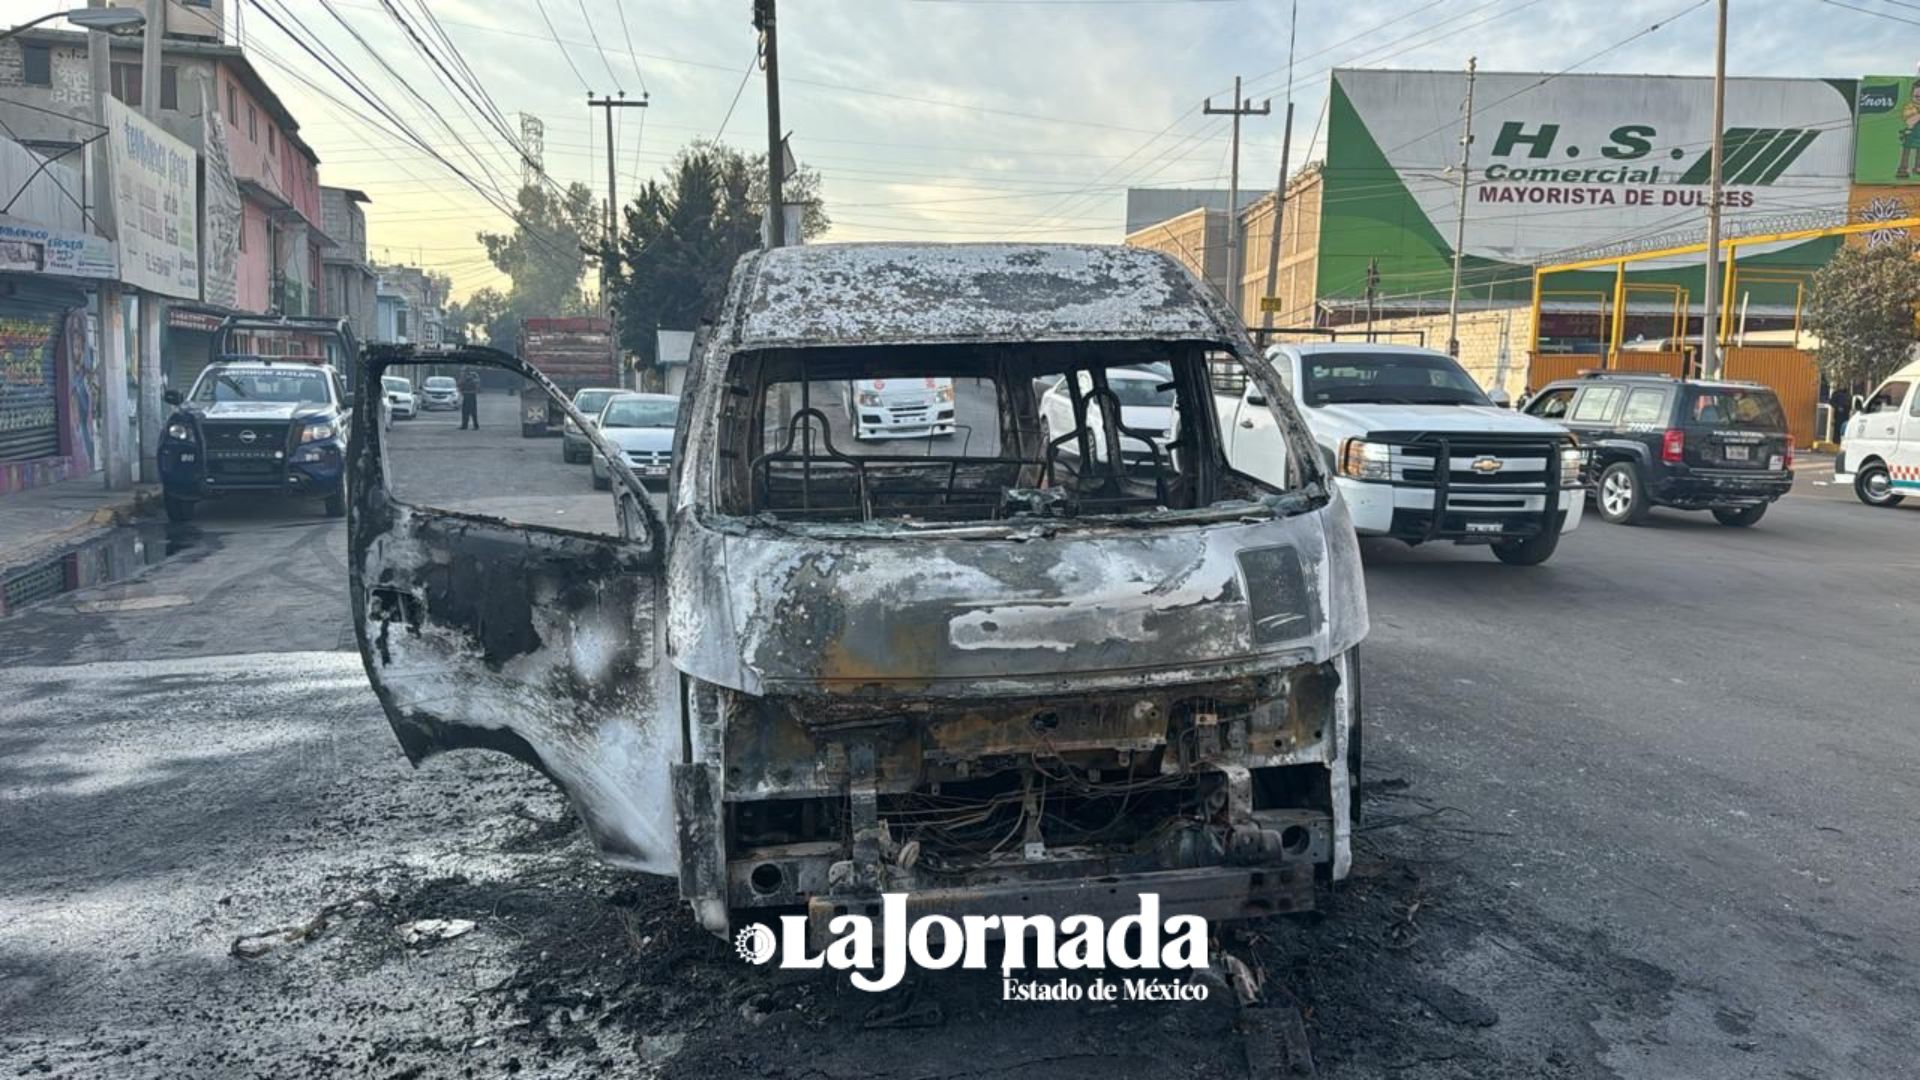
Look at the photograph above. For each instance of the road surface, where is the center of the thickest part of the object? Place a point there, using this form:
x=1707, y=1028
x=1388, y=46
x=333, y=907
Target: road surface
x=1642, y=812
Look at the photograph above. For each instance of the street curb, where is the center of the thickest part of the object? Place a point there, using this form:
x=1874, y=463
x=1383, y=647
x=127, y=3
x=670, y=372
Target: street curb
x=135, y=505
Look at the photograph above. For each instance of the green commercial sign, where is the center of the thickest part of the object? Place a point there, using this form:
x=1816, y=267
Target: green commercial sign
x=1569, y=164
x=1886, y=141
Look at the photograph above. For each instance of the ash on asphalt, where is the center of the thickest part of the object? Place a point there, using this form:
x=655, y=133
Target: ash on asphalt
x=211, y=863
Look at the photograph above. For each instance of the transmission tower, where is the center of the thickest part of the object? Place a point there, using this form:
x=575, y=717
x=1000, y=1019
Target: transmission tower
x=533, y=149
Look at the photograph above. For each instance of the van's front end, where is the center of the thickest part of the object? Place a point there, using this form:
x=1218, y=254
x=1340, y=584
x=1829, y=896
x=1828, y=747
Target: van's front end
x=999, y=678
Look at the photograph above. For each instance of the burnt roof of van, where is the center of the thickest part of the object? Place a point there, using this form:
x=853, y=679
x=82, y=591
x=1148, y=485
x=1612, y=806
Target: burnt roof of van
x=854, y=294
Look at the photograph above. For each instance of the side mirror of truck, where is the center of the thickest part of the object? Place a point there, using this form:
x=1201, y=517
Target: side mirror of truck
x=174, y=397
x=1500, y=397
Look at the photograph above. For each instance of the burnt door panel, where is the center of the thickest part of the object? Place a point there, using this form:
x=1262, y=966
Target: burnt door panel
x=502, y=601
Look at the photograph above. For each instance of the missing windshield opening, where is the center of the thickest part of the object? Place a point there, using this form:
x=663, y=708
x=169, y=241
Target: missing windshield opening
x=940, y=434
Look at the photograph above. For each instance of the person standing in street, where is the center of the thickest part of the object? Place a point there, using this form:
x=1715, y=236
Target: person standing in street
x=469, y=399
x=1840, y=400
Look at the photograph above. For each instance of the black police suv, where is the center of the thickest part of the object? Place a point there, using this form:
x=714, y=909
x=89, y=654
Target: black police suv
x=257, y=427
x=1655, y=440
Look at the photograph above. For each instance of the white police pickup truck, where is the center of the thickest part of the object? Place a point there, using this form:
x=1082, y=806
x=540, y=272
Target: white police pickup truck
x=1382, y=415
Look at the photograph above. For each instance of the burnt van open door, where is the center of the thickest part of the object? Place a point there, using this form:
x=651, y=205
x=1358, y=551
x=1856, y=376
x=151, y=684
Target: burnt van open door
x=502, y=603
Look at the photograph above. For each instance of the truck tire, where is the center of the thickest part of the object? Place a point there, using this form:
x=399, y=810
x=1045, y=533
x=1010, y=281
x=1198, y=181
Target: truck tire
x=337, y=502
x=1623, y=495
x=1873, y=485
x=179, y=509
x=531, y=431
x=1532, y=551
x=1739, y=517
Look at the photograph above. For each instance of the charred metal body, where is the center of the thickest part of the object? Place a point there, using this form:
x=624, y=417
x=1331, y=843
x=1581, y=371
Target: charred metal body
x=1000, y=679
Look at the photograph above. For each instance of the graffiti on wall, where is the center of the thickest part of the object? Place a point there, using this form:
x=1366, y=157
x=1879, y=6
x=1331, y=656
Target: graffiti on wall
x=83, y=393
x=29, y=422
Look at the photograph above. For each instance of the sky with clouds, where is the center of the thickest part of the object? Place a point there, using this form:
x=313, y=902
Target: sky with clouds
x=950, y=119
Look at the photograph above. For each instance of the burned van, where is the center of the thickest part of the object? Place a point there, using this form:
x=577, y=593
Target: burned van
x=1007, y=670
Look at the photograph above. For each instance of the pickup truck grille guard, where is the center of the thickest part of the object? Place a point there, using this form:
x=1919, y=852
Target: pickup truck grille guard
x=1443, y=482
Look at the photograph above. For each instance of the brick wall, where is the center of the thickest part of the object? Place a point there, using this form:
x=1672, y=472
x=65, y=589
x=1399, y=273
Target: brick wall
x=1299, y=253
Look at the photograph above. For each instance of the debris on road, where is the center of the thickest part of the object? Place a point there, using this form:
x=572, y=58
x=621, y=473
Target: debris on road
x=253, y=946
x=428, y=931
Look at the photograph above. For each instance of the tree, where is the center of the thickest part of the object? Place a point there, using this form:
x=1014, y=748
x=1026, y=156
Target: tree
x=682, y=235
x=543, y=254
x=485, y=318
x=1862, y=310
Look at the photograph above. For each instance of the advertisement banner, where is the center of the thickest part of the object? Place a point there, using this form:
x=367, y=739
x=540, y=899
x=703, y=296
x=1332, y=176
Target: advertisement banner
x=35, y=249
x=155, y=203
x=221, y=286
x=1886, y=141
x=1559, y=165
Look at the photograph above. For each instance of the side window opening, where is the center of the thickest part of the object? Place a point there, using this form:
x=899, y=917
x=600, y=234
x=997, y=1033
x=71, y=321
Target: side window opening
x=1552, y=405
x=1596, y=406
x=924, y=434
x=1645, y=406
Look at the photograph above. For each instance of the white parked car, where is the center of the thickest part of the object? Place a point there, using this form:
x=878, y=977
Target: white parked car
x=1382, y=415
x=574, y=447
x=439, y=392
x=1144, y=407
x=1880, y=450
x=899, y=408
x=401, y=402
x=641, y=425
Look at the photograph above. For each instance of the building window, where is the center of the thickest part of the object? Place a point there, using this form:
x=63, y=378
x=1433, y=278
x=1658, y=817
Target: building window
x=243, y=234
x=126, y=83
x=36, y=63
x=253, y=123
x=233, y=104
x=170, y=87
x=273, y=139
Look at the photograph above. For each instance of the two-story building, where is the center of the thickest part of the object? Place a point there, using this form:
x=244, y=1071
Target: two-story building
x=412, y=303
x=349, y=286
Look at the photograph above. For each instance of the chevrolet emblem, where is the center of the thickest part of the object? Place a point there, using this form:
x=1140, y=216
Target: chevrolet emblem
x=1487, y=465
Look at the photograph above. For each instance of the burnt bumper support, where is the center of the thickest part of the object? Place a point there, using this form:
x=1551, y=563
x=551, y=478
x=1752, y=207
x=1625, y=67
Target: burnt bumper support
x=1214, y=894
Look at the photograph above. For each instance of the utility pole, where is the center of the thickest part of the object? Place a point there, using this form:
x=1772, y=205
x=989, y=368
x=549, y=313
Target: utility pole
x=1280, y=184
x=151, y=315
x=1279, y=219
x=113, y=341
x=1241, y=107
x=1373, y=289
x=1710, y=322
x=763, y=21
x=1460, y=226
x=610, y=249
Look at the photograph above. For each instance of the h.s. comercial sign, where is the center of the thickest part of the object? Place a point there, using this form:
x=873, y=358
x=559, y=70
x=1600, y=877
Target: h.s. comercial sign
x=1572, y=161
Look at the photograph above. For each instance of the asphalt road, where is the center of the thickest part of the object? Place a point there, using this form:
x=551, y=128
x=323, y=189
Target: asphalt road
x=493, y=470
x=1641, y=812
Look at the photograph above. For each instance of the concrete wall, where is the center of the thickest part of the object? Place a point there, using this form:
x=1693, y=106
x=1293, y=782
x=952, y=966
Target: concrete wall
x=345, y=223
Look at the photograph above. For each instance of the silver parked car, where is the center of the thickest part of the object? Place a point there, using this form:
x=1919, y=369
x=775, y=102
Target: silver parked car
x=641, y=425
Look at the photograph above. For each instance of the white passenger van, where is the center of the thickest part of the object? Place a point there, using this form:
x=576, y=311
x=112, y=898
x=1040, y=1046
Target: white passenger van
x=1880, y=451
